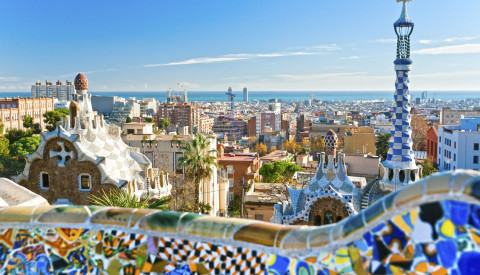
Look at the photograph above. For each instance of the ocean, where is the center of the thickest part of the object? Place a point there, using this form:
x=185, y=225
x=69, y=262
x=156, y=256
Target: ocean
x=281, y=95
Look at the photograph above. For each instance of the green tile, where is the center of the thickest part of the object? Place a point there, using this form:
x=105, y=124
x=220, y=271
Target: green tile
x=352, y=224
x=162, y=221
x=373, y=211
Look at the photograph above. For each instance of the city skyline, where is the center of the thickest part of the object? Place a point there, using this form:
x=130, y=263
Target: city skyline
x=266, y=46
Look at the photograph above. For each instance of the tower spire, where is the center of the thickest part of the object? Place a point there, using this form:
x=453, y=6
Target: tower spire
x=400, y=167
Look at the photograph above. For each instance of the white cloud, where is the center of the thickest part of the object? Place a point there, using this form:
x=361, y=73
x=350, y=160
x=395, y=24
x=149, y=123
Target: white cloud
x=386, y=41
x=447, y=40
x=447, y=74
x=243, y=56
x=9, y=78
x=456, y=49
x=295, y=77
x=349, y=57
x=426, y=41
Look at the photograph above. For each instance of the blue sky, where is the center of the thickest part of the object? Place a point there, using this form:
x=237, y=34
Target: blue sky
x=307, y=45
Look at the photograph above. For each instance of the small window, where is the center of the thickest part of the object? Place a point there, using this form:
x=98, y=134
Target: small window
x=44, y=181
x=85, y=182
x=258, y=217
x=475, y=146
x=475, y=159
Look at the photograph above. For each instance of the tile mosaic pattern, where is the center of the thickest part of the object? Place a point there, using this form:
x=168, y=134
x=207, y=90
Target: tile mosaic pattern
x=431, y=227
x=400, y=151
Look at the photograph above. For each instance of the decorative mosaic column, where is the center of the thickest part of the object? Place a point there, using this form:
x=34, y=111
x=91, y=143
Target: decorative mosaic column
x=400, y=167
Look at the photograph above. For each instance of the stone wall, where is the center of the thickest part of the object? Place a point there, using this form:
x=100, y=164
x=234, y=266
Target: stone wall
x=63, y=181
x=429, y=227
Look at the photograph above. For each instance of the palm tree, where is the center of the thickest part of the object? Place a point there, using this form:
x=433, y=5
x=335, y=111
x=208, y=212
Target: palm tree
x=198, y=161
x=120, y=197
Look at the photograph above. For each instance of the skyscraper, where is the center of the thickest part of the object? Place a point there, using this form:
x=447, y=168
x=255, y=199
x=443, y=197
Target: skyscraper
x=400, y=168
x=231, y=96
x=245, y=94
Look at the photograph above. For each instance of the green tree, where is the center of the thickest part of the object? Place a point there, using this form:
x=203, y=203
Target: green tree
x=428, y=167
x=382, y=145
x=11, y=166
x=279, y=171
x=120, y=197
x=52, y=117
x=2, y=127
x=129, y=119
x=205, y=207
x=163, y=123
x=27, y=122
x=4, y=147
x=34, y=128
x=24, y=146
x=13, y=135
x=149, y=119
x=235, y=207
x=198, y=161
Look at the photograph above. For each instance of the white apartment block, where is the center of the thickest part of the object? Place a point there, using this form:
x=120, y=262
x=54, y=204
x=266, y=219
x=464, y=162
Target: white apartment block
x=59, y=90
x=459, y=146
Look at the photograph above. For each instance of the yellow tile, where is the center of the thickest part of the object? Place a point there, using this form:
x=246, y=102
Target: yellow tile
x=258, y=233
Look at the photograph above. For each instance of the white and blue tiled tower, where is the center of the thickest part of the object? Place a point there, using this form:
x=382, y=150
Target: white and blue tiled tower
x=400, y=167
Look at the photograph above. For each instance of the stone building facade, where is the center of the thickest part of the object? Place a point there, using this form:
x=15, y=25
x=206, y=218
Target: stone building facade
x=13, y=110
x=84, y=156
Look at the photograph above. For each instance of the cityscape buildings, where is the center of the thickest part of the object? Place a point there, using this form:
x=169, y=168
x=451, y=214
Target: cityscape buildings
x=358, y=185
x=14, y=110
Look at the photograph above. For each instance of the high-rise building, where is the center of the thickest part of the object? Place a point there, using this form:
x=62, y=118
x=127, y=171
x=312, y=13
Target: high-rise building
x=245, y=94
x=424, y=95
x=58, y=91
x=400, y=168
x=268, y=122
x=185, y=115
x=231, y=97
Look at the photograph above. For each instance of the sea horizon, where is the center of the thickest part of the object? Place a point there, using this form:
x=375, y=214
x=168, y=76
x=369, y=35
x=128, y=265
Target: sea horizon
x=286, y=96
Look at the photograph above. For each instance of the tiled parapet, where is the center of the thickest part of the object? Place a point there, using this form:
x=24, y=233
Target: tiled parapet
x=431, y=226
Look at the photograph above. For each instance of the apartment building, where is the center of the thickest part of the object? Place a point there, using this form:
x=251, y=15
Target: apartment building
x=13, y=110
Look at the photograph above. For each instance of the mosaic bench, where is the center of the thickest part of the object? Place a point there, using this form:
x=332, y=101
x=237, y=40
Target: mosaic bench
x=432, y=226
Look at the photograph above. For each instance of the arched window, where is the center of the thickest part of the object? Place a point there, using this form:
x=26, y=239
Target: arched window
x=328, y=219
x=390, y=174
x=412, y=175
x=401, y=175
x=339, y=218
x=84, y=182
x=44, y=181
x=318, y=220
